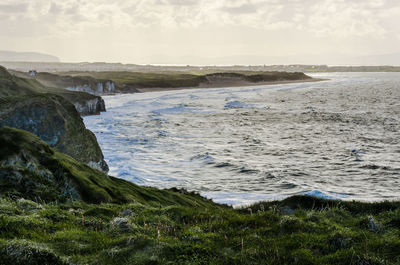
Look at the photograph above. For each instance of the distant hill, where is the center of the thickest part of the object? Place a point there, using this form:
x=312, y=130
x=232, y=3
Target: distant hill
x=10, y=56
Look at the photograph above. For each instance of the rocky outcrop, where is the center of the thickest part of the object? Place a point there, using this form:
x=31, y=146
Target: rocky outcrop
x=94, y=88
x=48, y=113
x=85, y=84
x=56, y=122
x=21, y=84
x=90, y=107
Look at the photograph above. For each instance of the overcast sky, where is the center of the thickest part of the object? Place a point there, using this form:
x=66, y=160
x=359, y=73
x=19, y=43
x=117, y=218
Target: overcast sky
x=200, y=31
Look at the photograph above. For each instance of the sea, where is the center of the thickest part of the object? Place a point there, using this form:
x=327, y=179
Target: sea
x=336, y=139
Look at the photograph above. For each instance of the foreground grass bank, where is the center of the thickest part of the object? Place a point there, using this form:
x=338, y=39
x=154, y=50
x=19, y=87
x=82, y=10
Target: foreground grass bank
x=55, y=210
x=299, y=230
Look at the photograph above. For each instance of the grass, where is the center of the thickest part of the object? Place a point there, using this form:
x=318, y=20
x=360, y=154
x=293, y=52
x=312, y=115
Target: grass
x=139, y=233
x=55, y=210
x=29, y=168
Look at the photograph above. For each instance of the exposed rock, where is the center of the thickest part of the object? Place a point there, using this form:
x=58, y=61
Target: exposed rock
x=86, y=84
x=28, y=205
x=94, y=88
x=126, y=213
x=120, y=223
x=20, y=84
x=56, y=122
x=374, y=226
x=91, y=107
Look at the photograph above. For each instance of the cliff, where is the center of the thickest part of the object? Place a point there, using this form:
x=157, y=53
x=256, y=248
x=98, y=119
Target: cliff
x=18, y=83
x=81, y=83
x=85, y=104
x=102, y=83
x=56, y=122
x=25, y=105
x=31, y=169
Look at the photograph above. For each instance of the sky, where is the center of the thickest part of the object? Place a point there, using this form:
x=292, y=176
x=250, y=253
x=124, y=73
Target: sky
x=202, y=31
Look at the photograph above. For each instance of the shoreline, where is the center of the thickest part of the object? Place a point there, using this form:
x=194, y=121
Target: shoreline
x=227, y=84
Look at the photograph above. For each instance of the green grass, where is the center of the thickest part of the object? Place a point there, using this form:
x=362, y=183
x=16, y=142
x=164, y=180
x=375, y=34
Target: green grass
x=54, y=210
x=81, y=233
x=29, y=168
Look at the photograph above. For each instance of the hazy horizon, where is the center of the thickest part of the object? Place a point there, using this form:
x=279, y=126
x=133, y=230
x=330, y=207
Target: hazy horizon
x=205, y=32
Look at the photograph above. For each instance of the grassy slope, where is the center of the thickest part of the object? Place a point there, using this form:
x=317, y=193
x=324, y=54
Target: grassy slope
x=174, y=227
x=92, y=185
x=82, y=233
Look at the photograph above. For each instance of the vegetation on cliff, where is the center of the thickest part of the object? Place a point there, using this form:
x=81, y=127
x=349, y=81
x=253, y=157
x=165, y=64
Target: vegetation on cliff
x=55, y=210
x=28, y=105
x=33, y=170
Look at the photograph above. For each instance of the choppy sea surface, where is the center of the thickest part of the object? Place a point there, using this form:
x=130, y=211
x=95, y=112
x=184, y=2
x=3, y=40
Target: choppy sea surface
x=336, y=139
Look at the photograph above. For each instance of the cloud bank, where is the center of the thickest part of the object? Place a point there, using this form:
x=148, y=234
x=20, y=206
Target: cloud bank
x=157, y=30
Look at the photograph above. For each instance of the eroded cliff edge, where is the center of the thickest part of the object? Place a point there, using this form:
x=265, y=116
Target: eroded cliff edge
x=50, y=116
x=76, y=91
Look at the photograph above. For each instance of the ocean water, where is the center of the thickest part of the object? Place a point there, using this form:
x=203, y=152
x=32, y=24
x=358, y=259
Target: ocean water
x=336, y=139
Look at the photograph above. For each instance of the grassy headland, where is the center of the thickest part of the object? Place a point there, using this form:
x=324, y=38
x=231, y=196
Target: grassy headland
x=55, y=210
x=168, y=80
x=132, y=82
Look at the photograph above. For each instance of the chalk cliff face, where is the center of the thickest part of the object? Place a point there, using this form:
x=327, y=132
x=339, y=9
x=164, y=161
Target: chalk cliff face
x=90, y=107
x=99, y=88
x=21, y=84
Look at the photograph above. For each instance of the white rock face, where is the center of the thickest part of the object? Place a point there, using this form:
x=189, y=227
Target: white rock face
x=93, y=106
x=99, y=89
x=110, y=87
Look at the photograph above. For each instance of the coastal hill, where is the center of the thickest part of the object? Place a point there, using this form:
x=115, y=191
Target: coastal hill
x=31, y=169
x=109, y=82
x=11, y=56
x=50, y=114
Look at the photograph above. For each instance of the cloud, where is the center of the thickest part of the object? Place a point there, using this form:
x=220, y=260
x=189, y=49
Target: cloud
x=272, y=25
x=14, y=8
x=244, y=8
x=327, y=17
